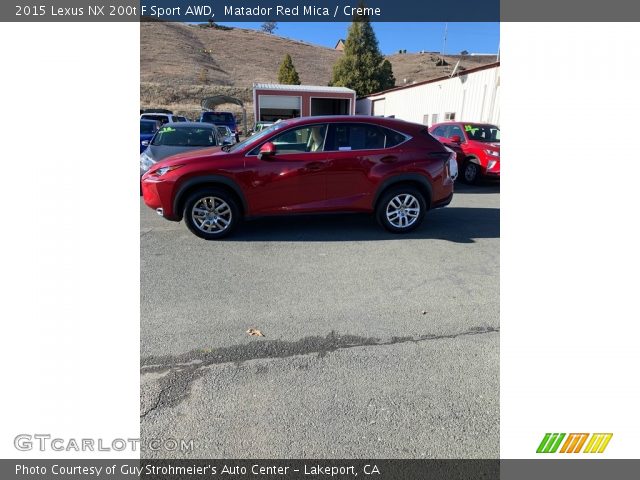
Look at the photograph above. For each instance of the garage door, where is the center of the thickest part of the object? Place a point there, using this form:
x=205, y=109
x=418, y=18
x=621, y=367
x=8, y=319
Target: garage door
x=378, y=108
x=281, y=102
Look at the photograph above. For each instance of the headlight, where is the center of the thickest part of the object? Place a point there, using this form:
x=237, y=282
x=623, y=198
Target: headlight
x=164, y=170
x=493, y=153
x=145, y=162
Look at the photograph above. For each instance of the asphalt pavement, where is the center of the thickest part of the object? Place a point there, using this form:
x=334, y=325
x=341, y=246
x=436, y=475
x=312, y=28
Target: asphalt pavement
x=375, y=345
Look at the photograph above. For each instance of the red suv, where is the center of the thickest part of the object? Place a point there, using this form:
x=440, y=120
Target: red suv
x=307, y=165
x=480, y=145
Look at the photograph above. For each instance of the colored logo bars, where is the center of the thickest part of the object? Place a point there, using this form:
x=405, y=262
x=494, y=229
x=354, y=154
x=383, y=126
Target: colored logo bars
x=574, y=442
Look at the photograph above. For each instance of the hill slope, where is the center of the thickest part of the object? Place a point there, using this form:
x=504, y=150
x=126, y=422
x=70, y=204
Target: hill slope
x=180, y=64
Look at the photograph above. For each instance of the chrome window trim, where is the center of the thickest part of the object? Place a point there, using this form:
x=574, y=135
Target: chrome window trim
x=406, y=138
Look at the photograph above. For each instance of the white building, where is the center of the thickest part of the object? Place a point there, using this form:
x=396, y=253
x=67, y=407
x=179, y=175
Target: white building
x=471, y=96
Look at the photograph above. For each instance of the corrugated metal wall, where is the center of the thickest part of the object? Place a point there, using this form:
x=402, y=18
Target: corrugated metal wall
x=474, y=97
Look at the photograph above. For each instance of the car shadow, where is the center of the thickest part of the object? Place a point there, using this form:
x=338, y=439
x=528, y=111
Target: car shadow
x=453, y=224
x=484, y=186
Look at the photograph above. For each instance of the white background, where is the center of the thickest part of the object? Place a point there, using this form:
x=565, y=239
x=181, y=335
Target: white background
x=569, y=226
x=70, y=232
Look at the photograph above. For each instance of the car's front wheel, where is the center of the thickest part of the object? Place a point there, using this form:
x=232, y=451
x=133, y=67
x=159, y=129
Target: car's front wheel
x=401, y=210
x=211, y=214
x=471, y=172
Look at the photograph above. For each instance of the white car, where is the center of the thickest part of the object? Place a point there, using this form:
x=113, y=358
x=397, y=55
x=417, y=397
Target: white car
x=163, y=117
x=228, y=137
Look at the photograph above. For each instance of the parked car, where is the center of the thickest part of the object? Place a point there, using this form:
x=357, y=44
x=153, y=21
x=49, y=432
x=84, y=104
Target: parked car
x=261, y=126
x=391, y=168
x=179, y=137
x=227, y=135
x=221, y=118
x=148, y=129
x=480, y=143
x=163, y=117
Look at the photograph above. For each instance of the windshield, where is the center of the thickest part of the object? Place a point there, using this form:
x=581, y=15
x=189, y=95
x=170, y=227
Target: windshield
x=257, y=137
x=223, y=130
x=185, y=137
x=483, y=133
x=147, y=126
x=217, y=117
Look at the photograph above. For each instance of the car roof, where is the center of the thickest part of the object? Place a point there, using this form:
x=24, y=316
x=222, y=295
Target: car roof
x=383, y=121
x=463, y=123
x=189, y=124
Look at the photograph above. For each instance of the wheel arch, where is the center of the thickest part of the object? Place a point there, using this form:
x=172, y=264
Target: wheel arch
x=415, y=180
x=211, y=181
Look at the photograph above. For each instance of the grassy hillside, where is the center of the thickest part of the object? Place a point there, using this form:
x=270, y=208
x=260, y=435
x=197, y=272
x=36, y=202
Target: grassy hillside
x=180, y=64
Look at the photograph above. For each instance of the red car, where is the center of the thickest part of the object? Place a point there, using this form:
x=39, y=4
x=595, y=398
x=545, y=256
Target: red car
x=392, y=168
x=479, y=143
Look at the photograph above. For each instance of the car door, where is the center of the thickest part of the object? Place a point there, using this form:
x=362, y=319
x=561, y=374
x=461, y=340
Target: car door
x=358, y=153
x=293, y=179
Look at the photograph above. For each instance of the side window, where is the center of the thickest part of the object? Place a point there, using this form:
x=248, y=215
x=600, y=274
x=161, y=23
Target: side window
x=300, y=140
x=357, y=136
x=456, y=130
x=393, y=138
x=438, y=132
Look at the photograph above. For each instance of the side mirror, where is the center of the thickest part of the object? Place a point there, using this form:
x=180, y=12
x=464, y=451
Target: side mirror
x=266, y=150
x=455, y=139
x=145, y=143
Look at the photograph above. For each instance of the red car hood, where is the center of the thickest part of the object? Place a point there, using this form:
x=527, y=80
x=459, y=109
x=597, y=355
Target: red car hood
x=190, y=156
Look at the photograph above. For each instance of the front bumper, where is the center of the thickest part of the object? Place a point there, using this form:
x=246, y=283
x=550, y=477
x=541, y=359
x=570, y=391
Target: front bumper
x=157, y=196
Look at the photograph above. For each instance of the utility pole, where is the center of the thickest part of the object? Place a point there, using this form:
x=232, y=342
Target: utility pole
x=444, y=43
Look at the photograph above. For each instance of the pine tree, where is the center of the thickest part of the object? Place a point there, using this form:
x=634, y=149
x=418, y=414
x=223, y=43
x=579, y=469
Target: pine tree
x=362, y=68
x=287, y=74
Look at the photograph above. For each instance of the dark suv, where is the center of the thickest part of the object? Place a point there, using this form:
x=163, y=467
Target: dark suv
x=392, y=168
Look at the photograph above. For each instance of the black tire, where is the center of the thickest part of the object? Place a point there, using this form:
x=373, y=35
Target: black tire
x=385, y=205
x=470, y=173
x=211, y=225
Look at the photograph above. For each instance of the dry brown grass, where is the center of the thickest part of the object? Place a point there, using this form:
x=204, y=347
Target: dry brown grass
x=180, y=64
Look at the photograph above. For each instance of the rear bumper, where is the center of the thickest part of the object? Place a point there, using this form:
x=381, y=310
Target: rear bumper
x=442, y=203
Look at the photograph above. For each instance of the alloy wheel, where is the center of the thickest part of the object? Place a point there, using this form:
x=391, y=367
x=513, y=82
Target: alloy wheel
x=403, y=210
x=211, y=215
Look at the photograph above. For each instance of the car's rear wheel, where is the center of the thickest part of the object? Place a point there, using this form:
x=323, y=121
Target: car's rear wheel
x=211, y=214
x=401, y=209
x=471, y=172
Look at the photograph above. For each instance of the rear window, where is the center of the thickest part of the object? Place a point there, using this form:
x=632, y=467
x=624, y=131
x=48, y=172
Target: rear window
x=161, y=118
x=217, y=117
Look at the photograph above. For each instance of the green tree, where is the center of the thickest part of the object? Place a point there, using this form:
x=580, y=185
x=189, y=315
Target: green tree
x=287, y=74
x=362, y=68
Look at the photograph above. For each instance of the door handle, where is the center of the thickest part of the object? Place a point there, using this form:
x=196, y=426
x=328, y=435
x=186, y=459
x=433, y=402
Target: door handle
x=389, y=159
x=315, y=166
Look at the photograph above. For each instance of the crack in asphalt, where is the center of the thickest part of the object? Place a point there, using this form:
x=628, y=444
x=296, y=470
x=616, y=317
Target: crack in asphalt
x=185, y=368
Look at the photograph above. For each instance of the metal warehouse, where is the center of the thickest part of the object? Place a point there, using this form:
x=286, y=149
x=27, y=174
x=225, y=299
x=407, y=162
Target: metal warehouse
x=273, y=102
x=471, y=95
